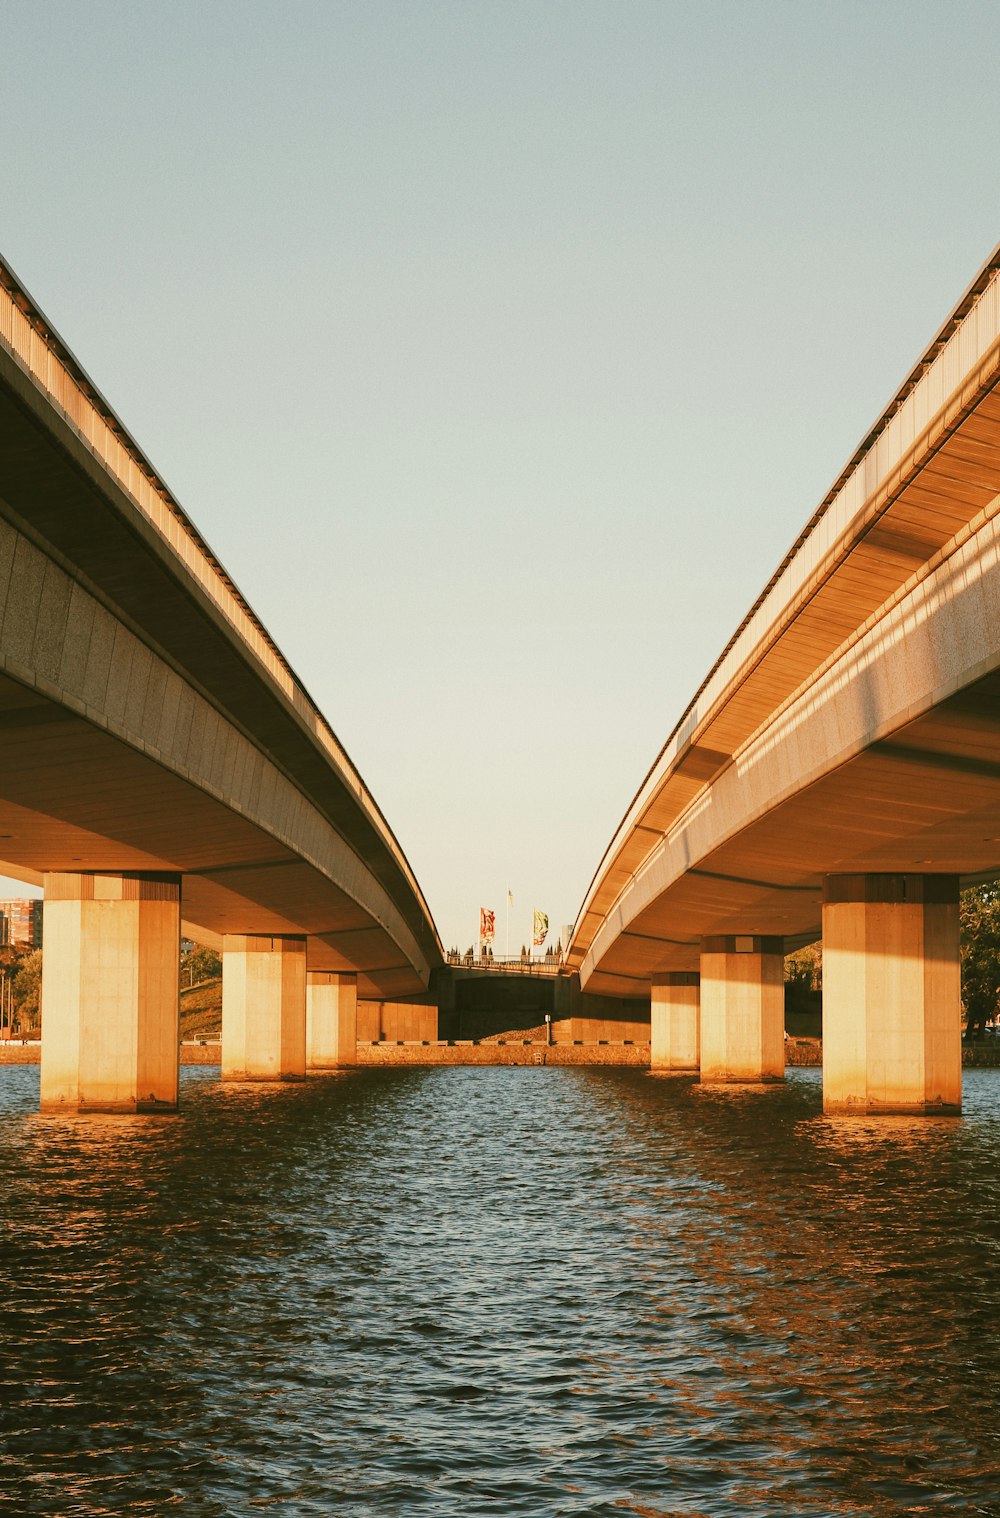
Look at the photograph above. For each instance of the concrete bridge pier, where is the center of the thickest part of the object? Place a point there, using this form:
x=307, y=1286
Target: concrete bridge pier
x=331, y=1020
x=263, y=1007
x=742, y=1009
x=892, y=1018
x=675, y=1022
x=110, y=991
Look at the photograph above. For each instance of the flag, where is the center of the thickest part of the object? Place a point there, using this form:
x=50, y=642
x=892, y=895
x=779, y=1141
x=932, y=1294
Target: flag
x=541, y=929
x=510, y=898
x=487, y=925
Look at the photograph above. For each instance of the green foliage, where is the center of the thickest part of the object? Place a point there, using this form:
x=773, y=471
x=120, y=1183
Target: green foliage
x=979, y=917
x=803, y=990
x=804, y=969
x=28, y=991
x=201, y=964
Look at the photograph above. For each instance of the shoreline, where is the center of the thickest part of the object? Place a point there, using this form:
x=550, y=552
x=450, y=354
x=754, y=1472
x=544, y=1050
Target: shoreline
x=799, y=1052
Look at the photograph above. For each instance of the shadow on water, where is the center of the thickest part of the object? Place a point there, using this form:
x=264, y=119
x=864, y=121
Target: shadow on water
x=505, y=1291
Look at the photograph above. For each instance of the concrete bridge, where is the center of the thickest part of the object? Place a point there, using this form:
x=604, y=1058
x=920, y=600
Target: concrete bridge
x=159, y=760
x=838, y=771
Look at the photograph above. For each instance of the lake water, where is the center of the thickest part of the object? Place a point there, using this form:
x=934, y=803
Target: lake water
x=499, y=1291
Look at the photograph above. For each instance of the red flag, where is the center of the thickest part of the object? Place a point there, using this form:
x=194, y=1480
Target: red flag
x=487, y=925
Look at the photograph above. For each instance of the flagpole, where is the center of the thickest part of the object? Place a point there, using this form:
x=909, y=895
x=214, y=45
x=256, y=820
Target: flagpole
x=506, y=951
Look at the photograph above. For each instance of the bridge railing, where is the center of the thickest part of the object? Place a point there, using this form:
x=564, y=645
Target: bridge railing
x=508, y=964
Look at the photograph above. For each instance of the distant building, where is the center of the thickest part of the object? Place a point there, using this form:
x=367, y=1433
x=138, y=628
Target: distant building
x=21, y=922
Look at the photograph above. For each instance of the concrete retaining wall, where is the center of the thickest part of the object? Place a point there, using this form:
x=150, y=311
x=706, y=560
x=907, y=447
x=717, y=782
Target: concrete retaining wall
x=395, y=1020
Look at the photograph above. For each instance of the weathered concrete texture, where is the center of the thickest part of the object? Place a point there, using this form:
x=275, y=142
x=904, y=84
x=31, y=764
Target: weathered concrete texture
x=742, y=1009
x=331, y=1020
x=675, y=1022
x=110, y=993
x=892, y=1020
x=263, y=1008
x=494, y=1053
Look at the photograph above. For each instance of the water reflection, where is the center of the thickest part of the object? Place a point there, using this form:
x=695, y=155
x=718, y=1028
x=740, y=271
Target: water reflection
x=507, y=1291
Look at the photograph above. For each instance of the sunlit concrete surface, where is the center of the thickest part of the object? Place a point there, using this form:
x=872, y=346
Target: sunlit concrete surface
x=332, y=1020
x=110, y=990
x=851, y=725
x=891, y=994
x=263, y=1008
x=147, y=719
x=148, y=722
x=674, y=1034
x=742, y=1009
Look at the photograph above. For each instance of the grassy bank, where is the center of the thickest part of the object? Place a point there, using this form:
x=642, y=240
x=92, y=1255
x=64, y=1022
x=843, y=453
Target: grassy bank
x=201, y=1009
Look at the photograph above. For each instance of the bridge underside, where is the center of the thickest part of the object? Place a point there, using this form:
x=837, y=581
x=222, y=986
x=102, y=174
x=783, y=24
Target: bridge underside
x=73, y=798
x=926, y=800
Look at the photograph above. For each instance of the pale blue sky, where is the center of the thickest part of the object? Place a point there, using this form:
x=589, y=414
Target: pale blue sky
x=499, y=349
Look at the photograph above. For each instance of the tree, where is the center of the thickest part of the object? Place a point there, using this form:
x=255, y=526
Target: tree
x=979, y=918
x=28, y=991
x=804, y=968
x=200, y=964
x=804, y=983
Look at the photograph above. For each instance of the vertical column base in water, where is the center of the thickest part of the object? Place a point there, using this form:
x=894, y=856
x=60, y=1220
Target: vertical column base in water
x=674, y=1022
x=892, y=1000
x=331, y=1020
x=742, y=1009
x=263, y=1007
x=110, y=992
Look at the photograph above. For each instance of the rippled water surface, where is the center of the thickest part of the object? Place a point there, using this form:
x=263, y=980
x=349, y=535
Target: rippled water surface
x=504, y=1291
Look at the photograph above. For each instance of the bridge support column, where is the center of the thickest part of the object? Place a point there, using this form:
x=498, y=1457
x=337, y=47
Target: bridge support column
x=110, y=992
x=675, y=1022
x=263, y=1008
x=742, y=1009
x=892, y=1018
x=331, y=1020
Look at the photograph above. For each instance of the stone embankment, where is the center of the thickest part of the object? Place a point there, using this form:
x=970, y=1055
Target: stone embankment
x=438, y=1052
x=984, y=1056
x=201, y=1053
x=502, y=1052
x=13, y=1052
x=16, y=1053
